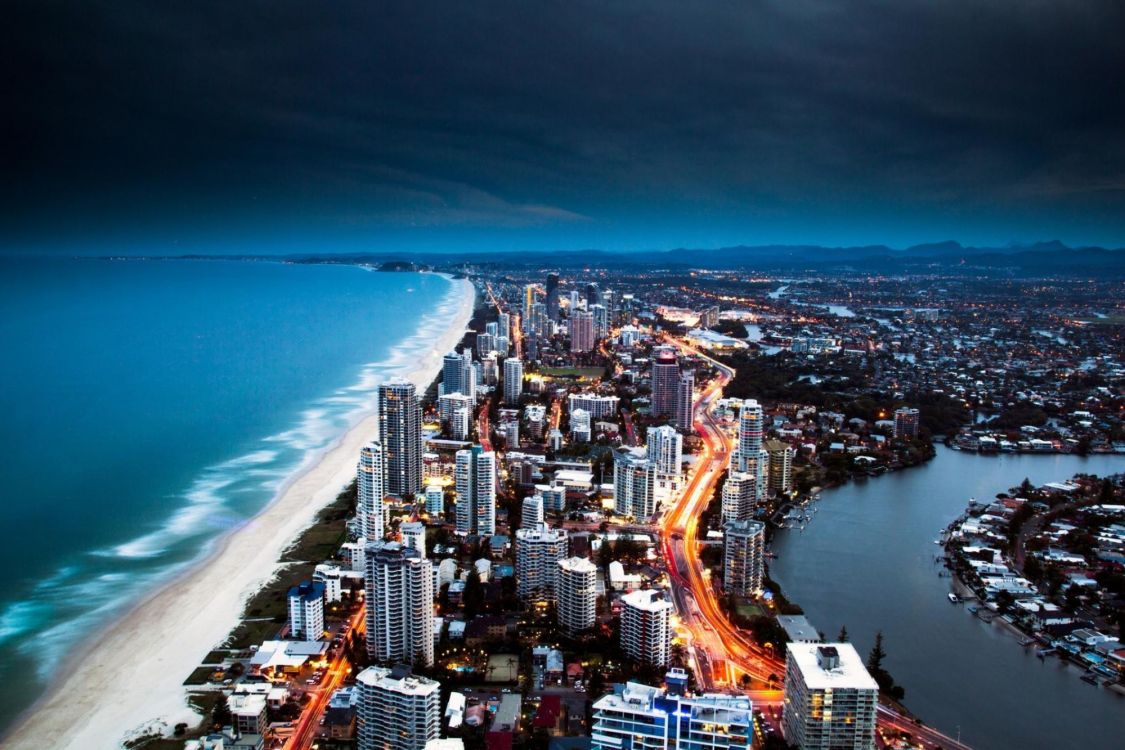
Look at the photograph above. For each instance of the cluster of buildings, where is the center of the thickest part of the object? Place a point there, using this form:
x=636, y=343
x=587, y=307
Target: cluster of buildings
x=1055, y=582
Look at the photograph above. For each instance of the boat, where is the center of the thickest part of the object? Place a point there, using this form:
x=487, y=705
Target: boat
x=953, y=597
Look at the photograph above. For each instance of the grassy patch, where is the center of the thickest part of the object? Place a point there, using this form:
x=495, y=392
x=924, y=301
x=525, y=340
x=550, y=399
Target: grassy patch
x=199, y=676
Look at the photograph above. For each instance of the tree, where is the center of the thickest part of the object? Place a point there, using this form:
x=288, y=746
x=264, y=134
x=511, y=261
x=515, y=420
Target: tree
x=220, y=714
x=875, y=658
x=473, y=596
x=843, y=635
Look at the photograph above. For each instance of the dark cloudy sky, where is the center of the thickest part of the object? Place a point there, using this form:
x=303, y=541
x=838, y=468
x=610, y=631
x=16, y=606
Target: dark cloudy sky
x=161, y=125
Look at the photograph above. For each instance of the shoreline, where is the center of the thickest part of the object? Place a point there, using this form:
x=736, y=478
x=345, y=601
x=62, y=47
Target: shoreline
x=129, y=682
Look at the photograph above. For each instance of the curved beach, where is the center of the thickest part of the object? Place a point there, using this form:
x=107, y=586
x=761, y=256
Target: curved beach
x=130, y=679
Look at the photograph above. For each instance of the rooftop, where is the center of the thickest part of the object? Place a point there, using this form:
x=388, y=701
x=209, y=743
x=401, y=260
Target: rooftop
x=849, y=672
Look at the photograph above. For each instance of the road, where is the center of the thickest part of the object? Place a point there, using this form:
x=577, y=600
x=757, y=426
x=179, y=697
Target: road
x=305, y=733
x=723, y=652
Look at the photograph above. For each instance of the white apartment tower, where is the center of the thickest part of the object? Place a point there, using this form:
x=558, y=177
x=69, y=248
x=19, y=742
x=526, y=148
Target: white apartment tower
x=475, y=481
x=414, y=536
x=513, y=380
x=577, y=595
x=740, y=494
x=306, y=611
x=435, y=500
x=685, y=392
x=400, y=605
x=830, y=699
x=665, y=449
x=749, y=456
x=396, y=710
x=400, y=431
x=634, y=486
x=371, y=510
x=646, y=628
x=744, y=555
x=538, y=552
x=532, y=514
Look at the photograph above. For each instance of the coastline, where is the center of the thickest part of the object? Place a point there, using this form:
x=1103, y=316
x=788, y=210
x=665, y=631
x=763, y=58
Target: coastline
x=130, y=680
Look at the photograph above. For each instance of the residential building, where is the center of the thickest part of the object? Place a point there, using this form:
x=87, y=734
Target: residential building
x=400, y=610
x=640, y=717
x=306, y=611
x=597, y=406
x=449, y=407
x=906, y=422
x=414, y=536
x=830, y=699
x=665, y=449
x=554, y=496
x=248, y=713
x=580, y=429
x=749, y=456
x=634, y=486
x=582, y=331
x=577, y=589
x=553, y=296
x=435, y=500
x=457, y=374
x=685, y=394
x=739, y=496
x=513, y=380
x=532, y=514
x=475, y=480
x=780, y=466
x=744, y=553
x=646, y=629
x=538, y=552
x=371, y=509
x=397, y=710
x=400, y=431
x=665, y=382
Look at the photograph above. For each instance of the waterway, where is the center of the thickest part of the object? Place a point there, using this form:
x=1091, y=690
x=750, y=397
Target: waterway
x=867, y=561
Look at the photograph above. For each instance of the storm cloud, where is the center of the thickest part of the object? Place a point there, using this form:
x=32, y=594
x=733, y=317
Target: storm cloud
x=623, y=125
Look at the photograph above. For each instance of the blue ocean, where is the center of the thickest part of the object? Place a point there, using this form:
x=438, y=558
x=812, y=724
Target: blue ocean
x=150, y=405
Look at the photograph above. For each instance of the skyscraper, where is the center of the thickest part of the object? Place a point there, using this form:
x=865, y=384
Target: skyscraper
x=685, y=392
x=744, y=553
x=400, y=430
x=538, y=552
x=830, y=699
x=371, y=511
x=396, y=710
x=665, y=449
x=577, y=588
x=780, y=468
x=601, y=321
x=553, y=296
x=582, y=331
x=513, y=380
x=475, y=481
x=634, y=490
x=739, y=495
x=646, y=629
x=665, y=382
x=749, y=456
x=400, y=605
x=593, y=294
x=528, y=303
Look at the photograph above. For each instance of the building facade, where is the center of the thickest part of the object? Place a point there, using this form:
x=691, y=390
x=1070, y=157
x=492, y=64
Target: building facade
x=474, y=474
x=744, y=557
x=646, y=628
x=577, y=586
x=400, y=432
x=538, y=552
x=371, y=509
x=830, y=699
x=397, y=710
x=400, y=605
x=634, y=486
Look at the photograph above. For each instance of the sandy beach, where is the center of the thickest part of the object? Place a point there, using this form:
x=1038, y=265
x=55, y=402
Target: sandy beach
x=130, y=679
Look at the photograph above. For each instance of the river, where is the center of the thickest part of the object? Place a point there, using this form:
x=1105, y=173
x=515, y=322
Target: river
x=867, y=561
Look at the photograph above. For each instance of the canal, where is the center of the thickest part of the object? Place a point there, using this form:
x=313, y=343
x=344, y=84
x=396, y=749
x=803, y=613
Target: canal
x=867, y=560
